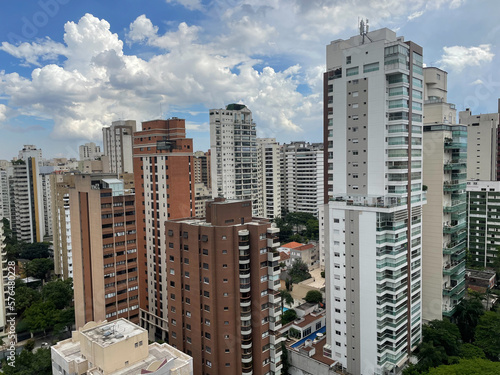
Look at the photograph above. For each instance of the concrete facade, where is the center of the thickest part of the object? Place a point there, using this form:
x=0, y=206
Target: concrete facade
x=233, y=147
x=116, y=348
x=269, y=177
x=117, y=144
x=373, y=103
x=104, y=247
x=164, y=187
x=89, y=151
x=224, y=304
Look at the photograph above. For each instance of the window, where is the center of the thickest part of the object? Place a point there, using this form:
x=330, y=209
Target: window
x=348, y=60
x=370, y=67
x=352, y=71
x=355, y=94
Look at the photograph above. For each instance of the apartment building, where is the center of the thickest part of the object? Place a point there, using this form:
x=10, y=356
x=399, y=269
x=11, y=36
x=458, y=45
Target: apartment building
x=483, y=138
x=483, y=205
x=89, y=151
x=223, y=298
x=116, y=348
x=117, y=144
x=202, y=165
x=444, y=227
x=373, y=102
x=233, y=146
x=164, y=187
x=104, y=250
x=269, y=177
x=302, y=183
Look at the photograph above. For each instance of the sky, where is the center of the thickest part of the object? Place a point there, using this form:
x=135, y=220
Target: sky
x=70, y=67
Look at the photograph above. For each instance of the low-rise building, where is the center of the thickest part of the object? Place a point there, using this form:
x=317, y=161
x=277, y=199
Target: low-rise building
x=308, y=253
x=116, y=348
x=480, y=281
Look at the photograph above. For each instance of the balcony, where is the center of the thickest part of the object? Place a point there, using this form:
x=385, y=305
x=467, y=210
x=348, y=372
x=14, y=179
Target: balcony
x=453, y=247
x=455, y=206
x=274, y=297
x=448, y=291
x=273, y=242
x=452, y=268
x=453, y=145
x=454, y=185
x=454, y=166
x=450, y=229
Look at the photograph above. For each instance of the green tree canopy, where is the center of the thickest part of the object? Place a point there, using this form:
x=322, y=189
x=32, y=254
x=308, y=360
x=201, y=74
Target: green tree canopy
x=25, y=297
x=470, y=351
x=28, y=363
x=288, y=316
x=34, y=250
x=299, y=271
x=443, y=333
x=430, y=356
x=314, y=296
x=476, y=366
x=286, y=297
x=40, y=268
x=42, y=316
x=59, y=292
x=467, y=315
x=488, y=334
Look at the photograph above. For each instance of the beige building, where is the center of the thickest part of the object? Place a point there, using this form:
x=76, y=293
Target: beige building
x=444, y=232
x=117, y=145
x=482, y=141
x=201, y=195
x=116, y=348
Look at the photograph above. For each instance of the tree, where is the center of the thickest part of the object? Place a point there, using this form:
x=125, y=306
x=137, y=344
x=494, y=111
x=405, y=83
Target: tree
x=314, y=296
x=39, y=268
x=28, y=363
x=35, y=250
x=286, y=297
x=299, y=271
x=42, y=316
x=467, y=315
x=65, y=319
x=59, y=292
x=430, y=356
x=488, y=334
x=25, y=297
x=288, y=316
x=444, y=334
x=292, y=332
x=30, y=345
x=312, y=229
x=474, y=366
x=470, y=351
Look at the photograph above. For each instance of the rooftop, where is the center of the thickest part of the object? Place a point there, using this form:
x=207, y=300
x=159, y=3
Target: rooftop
x=110, y=333
x=484, y=274
x=292, y=245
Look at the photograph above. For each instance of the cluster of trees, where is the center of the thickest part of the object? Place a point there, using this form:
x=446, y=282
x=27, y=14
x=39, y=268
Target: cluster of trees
x=298, y=226
x=46, y=309
x=472, y=343
x=28, y=363
x=298, y=272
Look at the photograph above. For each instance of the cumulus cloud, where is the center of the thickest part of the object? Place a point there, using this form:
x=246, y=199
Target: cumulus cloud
x=240, y=54
x=459, y=57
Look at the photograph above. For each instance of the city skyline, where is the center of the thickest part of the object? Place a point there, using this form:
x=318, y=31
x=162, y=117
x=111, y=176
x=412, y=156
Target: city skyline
x=85, y=66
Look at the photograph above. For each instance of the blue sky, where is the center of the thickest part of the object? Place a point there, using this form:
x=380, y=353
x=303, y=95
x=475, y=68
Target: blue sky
x=69, y=67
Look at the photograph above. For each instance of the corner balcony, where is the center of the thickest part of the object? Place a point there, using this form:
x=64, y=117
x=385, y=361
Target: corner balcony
x=452, y=268
x=448, y=291
x=454, y=185
x=454, y=165
x=450, y=229
x=453, y=247
x=273, y=242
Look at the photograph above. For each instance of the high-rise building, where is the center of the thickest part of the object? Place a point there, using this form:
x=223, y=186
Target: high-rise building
x=269, y=177
x=116, y=348
x=443, y=228
x=117, y=144
x=302, y=177
x=233, y=148
x=104, y=247
x=3, y=280
x=373, y=186
x=223, y=299
x=483, y=205
x=483, y=138
x=89, y=151
x=4, y=192
x=202, y=195
x=164, y=187
x=202, y=165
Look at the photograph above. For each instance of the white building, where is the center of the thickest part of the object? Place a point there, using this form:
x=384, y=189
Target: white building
x=302, y=184
x=3, y=280
x=233, y=148
x=482, y=140
x=89, y=151
x=117, y=144
x=373, y=108
x=444, y=227
x=269, y=177
x=116, y=348
x=4, y=192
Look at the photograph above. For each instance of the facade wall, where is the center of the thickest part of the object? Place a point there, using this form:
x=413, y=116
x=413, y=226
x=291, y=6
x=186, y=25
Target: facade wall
x=117, y=142
x=269, y=177
x=164, y=185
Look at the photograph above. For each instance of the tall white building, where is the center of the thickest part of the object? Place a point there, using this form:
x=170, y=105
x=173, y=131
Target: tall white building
x=89, y=151
x=233, y=147
x=3, y=280
x=269, y=177
x=444, y=227
x=302, y=177
x=117, y=144
x=4, y=192
x=373, y=129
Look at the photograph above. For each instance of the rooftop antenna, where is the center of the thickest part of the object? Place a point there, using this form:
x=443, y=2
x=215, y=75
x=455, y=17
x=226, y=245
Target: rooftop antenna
x=363, y=30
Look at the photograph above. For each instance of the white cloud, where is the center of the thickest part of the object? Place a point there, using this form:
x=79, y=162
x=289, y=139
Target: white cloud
x=141, y=29
x=459, y=57
x=415, y=15
x=189, y=4
x=477, y=82
x=31, y=53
